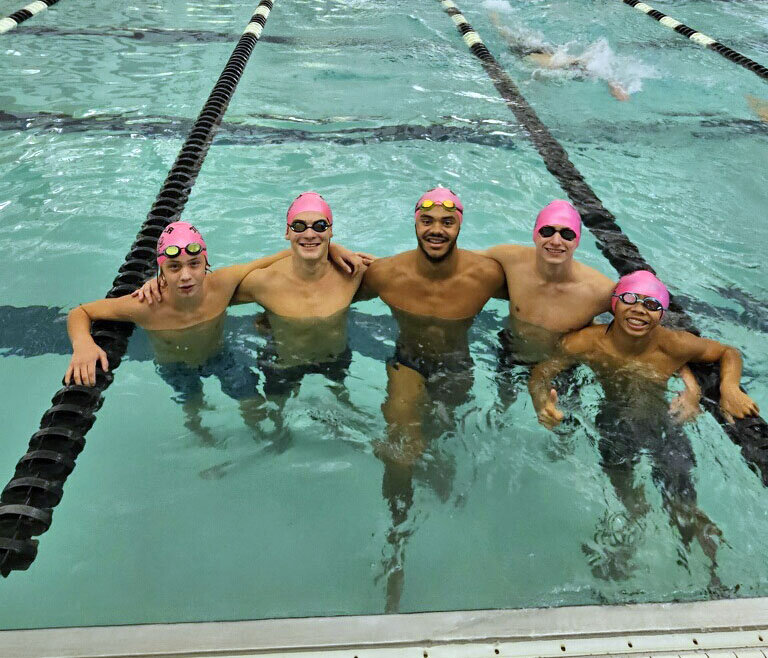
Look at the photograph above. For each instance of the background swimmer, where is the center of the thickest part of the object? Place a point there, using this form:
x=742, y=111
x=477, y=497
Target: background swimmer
x=545, y=56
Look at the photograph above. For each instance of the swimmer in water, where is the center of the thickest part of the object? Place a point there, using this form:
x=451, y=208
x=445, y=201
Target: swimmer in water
x=551, y=294
x=434, y=292
x=306, y=298
x=307, y=303
x=759, y=106
x=544, y=56
x=185, y=331
x=633, y=357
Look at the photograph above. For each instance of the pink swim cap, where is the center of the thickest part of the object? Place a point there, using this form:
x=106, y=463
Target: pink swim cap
x=309, y=201
x=180, y=234
x=641, y=282
x=559, y=212
x=438, y=195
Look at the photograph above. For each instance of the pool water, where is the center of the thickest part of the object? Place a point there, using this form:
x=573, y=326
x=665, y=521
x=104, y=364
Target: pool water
x=369, y=104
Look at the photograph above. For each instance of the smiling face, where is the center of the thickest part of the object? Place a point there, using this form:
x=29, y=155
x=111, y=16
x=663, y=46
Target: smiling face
x=184, y=275
x=555, y=249
x=634, y=319
x=309, y=244
x=437, y=230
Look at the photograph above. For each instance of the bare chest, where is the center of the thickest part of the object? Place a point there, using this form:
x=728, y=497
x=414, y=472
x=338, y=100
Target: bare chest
x=550, y=308
x=450, y=299
x=309, y=299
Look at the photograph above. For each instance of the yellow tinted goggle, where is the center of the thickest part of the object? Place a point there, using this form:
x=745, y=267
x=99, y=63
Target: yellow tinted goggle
x=172, y=251
x=448, y=204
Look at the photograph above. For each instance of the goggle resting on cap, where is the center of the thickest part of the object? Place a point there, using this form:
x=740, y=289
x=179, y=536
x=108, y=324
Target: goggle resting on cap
x=173, y=250
x=631, y=298
x=448, y=204
x=567, y=234
x=299, y=226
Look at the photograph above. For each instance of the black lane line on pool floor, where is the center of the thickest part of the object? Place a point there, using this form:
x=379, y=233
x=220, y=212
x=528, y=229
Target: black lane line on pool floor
x=700, y=38
x=26, y=502
x=25, y=13
x=750, y=434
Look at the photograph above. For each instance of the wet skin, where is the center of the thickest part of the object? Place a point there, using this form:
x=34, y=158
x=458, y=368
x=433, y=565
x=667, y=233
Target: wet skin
x=434, y=292
x=192, y=345
x=305, y=287
x=633, y=358
x=300, y=341
x=550, y=293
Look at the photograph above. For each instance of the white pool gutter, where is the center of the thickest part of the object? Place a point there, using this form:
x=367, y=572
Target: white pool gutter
x=733, y=628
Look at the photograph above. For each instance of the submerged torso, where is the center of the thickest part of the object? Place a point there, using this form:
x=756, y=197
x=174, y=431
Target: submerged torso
x=193, y=345
x=300, y=341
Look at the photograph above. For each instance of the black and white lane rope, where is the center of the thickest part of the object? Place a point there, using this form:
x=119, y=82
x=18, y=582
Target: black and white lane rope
x=23, y=14
x=700, y=38
x=750, y=434
x=26, y=502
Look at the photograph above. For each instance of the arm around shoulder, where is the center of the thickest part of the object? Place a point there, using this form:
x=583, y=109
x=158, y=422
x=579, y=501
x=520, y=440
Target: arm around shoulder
x=734, y=403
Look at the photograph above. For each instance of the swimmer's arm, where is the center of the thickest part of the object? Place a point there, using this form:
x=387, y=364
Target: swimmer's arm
x=85, y=352
x=543, y=395
x=503, y=31
x=232, y=275
x=504, y=254
x=734, y=403
x=352, y=262
x=499, y=282
x=685, y=406
x=370, y=284
x=617, y=91
x=252, y=288
x=238, y=272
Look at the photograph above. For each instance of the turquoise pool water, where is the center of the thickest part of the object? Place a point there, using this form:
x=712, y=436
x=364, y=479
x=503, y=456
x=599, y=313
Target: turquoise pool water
x=370, y=106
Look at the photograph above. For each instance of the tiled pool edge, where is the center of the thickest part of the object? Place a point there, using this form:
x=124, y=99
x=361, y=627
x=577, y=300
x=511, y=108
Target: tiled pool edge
x=584, y=630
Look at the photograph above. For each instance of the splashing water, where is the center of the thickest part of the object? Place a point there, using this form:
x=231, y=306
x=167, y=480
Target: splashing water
x=601, y=62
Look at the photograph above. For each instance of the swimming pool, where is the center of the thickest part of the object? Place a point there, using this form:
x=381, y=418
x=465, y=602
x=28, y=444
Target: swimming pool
x=370, y=107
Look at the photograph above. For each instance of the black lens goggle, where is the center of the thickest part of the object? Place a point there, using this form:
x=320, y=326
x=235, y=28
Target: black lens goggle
x=651, y=303
x=193, y=249
x=299, y=226
x=565, y=233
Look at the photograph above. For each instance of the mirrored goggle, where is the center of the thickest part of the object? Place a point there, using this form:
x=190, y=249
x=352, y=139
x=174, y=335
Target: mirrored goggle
x=448, y=204
x=320, y=226
x=173, y=250
x=566, y=233
x=651, y=303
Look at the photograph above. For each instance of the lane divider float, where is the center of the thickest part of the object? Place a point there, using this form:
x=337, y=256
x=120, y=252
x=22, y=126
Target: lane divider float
x=26, y=502
x=10, y=22
x=700, y=38
x=750, y=434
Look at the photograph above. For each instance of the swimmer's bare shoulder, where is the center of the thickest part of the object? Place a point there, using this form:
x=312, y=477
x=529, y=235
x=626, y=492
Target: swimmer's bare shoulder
x=683, y=347
x=583, y=341
x=485, y=270
x=261, y=282
x=594, y=285
x=122, y=309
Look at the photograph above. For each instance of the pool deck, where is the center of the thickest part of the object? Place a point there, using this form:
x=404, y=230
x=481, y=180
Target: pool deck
x=733, y=628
